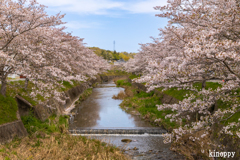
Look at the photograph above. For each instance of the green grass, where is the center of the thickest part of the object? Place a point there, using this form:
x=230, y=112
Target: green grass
x=51, y=125
x=212, y=85
x=181, y=93
x=234, y=118
x=67, y=85
x=178, y=94
x=8, y=109
x=209, y=85
x=225, y=105
x=123, y=82
x=145, y=104
x=142, y=94
x=134, y=76
x=148, y=105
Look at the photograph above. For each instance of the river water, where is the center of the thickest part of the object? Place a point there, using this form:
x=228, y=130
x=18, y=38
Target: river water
x=101, y=111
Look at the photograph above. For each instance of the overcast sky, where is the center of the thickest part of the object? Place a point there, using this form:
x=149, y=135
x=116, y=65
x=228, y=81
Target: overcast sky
x=100, y=22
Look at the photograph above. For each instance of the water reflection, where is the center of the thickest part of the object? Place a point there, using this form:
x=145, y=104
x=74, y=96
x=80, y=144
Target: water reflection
x=100, y=110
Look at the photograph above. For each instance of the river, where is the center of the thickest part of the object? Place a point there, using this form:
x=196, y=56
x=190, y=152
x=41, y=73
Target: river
x=100, y=111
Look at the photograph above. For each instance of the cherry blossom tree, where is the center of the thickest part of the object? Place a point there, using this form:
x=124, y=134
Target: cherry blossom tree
x=18, y=19
x=200, y=43
x=32, y=46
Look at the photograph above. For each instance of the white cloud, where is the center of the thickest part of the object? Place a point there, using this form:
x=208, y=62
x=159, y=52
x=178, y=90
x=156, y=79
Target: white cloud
x=83, y=6
x=80, y=25
x=145, y=6
x=103, y=7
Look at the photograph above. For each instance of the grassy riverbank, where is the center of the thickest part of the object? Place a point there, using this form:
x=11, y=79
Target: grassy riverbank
x=136, y=101
x=50, y=140
x=145, y=103
x=139, y=102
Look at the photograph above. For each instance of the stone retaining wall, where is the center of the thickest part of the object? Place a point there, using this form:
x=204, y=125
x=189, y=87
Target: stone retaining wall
x=53, y=107
x=9, y=131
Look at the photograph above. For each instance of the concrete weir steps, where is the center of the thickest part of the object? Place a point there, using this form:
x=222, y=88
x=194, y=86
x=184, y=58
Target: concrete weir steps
x=136, y=131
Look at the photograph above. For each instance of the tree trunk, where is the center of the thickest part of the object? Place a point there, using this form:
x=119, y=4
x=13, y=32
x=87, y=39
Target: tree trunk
x=26, y=83
x=197, y=117
x=3, y=87
x=204, y=84
x=215, y=106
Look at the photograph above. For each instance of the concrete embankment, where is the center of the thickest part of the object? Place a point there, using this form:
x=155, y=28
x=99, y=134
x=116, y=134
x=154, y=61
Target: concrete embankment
x=10, y=130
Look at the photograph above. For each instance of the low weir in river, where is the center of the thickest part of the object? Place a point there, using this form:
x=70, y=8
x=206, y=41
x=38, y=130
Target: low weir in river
x=136, y=130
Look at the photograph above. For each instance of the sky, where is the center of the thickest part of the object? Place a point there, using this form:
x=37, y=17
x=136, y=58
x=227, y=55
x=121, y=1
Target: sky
x=100, y=22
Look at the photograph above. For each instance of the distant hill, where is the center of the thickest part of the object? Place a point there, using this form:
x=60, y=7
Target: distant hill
x=112, y=55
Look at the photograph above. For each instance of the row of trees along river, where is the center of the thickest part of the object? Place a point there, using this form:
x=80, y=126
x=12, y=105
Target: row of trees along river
x=196, y=59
